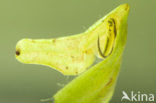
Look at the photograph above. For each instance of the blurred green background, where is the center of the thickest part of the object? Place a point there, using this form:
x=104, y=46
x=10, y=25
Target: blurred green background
x=23, y=83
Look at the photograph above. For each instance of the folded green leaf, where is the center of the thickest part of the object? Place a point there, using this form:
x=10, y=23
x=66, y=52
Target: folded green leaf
x=97, y=84
x=72, y=55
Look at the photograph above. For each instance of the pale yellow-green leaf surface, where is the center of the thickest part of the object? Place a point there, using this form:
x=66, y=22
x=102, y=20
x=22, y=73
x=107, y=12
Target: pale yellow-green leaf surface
x=97, y=84
x=72, y=55
x=76, y=54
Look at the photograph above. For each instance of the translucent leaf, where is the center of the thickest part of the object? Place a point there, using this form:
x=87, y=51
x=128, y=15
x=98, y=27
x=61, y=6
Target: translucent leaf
x=73, y=55
x=97, y=84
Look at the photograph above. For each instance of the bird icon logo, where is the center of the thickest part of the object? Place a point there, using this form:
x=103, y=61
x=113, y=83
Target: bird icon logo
x=125, y=96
